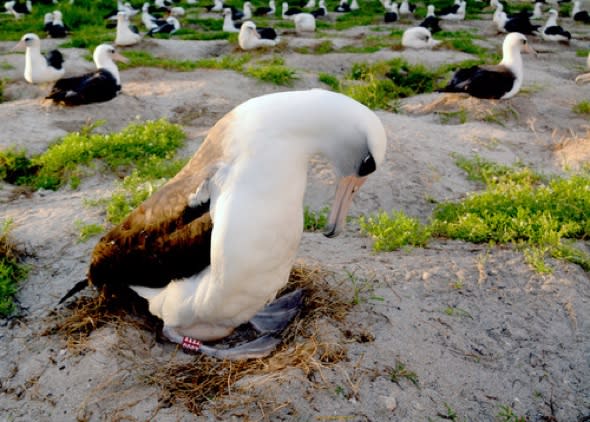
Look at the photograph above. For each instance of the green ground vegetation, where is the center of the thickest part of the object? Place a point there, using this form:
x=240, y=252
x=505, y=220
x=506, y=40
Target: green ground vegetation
x=11, y=270
x=543, y=216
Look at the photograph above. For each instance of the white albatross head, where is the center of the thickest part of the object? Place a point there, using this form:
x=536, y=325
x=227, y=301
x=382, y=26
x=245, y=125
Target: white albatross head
x=287, y=129
x=105, y=56
x=29, y=41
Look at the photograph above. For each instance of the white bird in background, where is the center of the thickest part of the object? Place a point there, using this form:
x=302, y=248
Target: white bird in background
x=228, y=22
x=418, y=37
x=226, y=229
x=101, y=85
x=247, y=9
x=40, y=68
x=537, y=11
x=553, y=32
x=125, y=35
x=250, y=38
x=304, y=22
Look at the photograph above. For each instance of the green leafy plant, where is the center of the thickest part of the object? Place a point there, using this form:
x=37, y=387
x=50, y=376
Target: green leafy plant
x=87, y=230
x=330, y=80
x=11, y=270
x=139, y=144
x=519, y=207
x=583, y=107
x=273, y=71
x=315, y=220
x=506, y=414
x=392, y=231
x=399, y=372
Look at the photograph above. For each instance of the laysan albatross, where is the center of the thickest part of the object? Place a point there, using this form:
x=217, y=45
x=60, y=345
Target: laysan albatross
x=214, y=245
x=499, y=81
x=102, y=85
x=40, y=68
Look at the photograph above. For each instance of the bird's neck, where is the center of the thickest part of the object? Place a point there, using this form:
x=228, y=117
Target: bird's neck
x=111, y=67
x=513, y=61
x=33, y=57
x=552, y=21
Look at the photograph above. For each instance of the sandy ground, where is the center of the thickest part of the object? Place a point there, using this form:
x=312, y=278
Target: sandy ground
x=518, y=338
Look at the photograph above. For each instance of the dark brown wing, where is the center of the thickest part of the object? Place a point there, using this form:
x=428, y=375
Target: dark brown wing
x=164, y=238
x=491, y=81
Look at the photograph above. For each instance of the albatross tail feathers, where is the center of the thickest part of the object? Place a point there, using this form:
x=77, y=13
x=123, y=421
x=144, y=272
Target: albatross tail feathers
x=78, y=287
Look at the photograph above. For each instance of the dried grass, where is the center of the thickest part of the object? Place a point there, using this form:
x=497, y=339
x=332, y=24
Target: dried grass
x=203, y=379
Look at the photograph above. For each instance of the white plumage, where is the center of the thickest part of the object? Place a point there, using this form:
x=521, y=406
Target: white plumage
x=418, y=37
x=255, y=179
x=304, y=22
x=125, y=36
x=37, y=67
x=249, y=38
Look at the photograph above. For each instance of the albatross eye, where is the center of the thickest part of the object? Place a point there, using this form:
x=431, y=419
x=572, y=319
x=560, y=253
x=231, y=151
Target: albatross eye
x=368, y=166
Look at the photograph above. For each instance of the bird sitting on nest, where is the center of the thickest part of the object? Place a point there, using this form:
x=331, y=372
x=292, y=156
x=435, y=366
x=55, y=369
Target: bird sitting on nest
x=418, y=37
x=431, y=22
x=56, y=27
x=126, y=34
x=578, y=14
x=499, y=81
x=102, y=85
x=214, y=245
x=552, y=31
x=40, y=68
x=251, y=38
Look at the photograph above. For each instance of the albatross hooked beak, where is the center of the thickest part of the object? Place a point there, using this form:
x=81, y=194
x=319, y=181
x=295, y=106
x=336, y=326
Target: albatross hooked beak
x=528, y=49
x=21, y=45
x=347, y=187
x=118, y=57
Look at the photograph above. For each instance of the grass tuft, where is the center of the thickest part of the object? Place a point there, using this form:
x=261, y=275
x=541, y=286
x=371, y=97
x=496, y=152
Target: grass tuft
x=11, y=270
x=392, y=231
x=64, y=162
x=583, y=107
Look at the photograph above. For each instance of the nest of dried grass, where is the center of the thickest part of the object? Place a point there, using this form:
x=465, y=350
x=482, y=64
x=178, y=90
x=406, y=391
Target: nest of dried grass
x=203, y=378
x=455, y=104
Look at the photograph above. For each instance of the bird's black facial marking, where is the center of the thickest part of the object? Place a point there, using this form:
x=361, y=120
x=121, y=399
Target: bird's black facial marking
x=368, y=166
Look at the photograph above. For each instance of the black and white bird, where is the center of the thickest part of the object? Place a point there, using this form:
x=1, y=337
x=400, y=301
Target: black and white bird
x=431, y=22
x=392, y=14
x=552, y=31
x=517, y=23
x=321, y=11
x=578, y=14
x=127, y=34
x=288, y=12
x=210, y=250
x=149, y=21
x=56, y=28
x=343, y=7
x=418, y=38
x=18, y=9
x=304, y=22
x=538, y=10
x=499, y=81
x=169, y=26
x=228, y=22
x=40, y=68
x=406, y=9
x=252, y=37
x=266, y=11
x=102, y=85
x=455, y=12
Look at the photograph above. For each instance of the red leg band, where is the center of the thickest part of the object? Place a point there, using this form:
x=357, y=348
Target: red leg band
x=190, y=344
